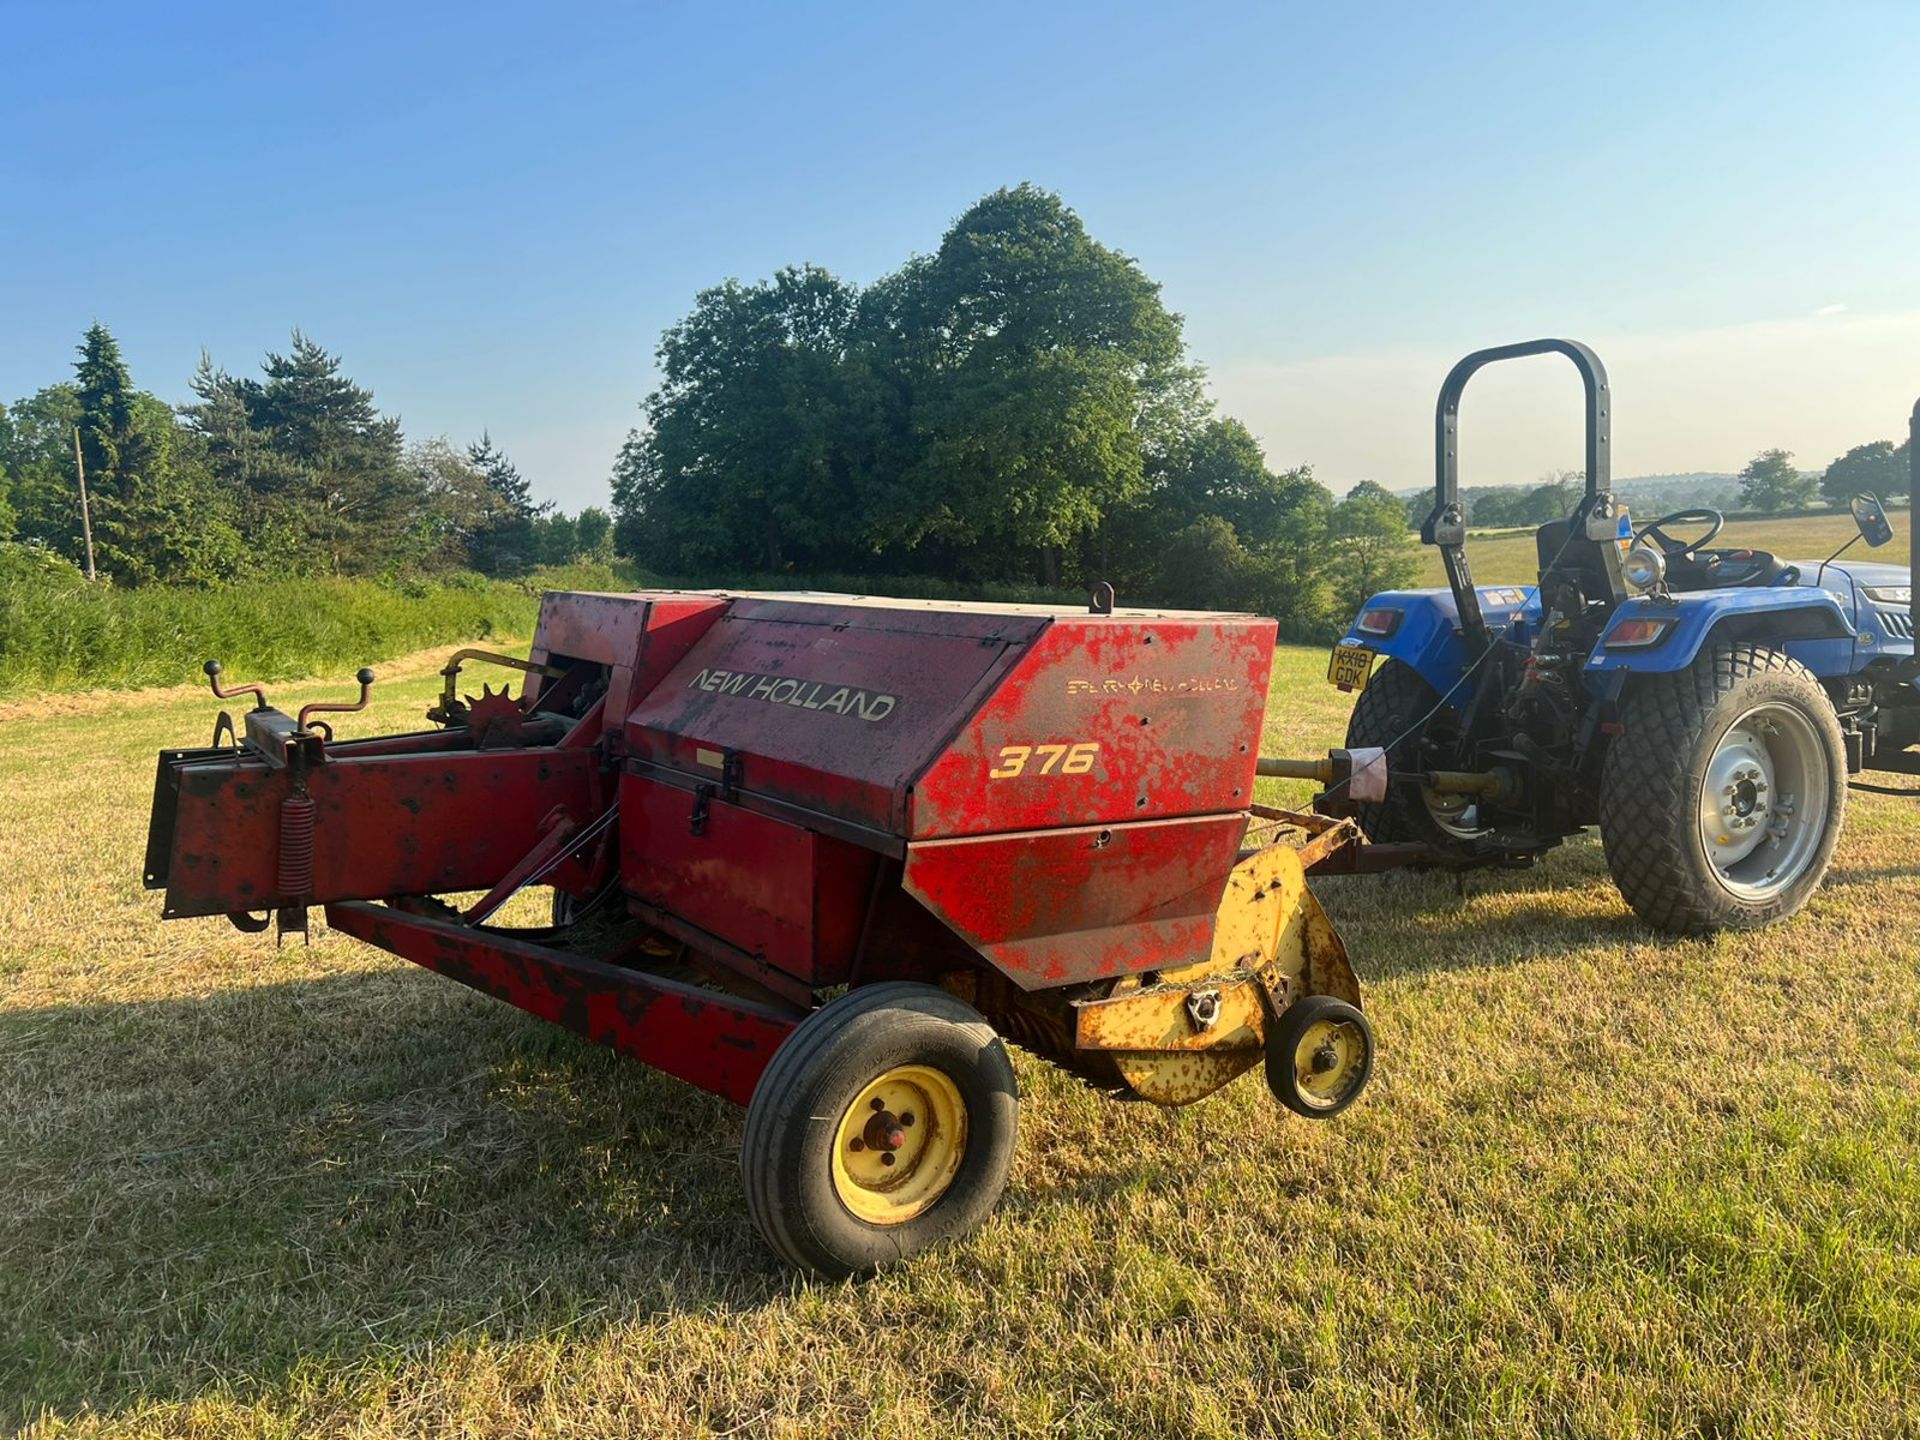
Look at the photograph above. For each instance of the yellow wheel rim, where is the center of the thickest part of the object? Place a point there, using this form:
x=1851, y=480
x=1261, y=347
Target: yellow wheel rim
x=1327, y=1061
x=899, y=1145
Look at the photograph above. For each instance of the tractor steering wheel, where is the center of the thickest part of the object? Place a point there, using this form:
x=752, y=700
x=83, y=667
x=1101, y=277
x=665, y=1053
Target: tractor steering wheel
x=1674, y=549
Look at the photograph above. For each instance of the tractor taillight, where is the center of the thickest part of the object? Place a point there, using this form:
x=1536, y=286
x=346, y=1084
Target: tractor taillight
x=1637, y=632
x=1380, y=621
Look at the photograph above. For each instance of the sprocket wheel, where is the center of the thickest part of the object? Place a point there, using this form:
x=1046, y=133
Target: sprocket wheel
x=495, y=718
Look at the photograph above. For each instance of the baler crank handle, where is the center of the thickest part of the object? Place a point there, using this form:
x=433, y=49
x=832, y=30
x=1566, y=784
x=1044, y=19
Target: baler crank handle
x=339, y=707
x=212, y=670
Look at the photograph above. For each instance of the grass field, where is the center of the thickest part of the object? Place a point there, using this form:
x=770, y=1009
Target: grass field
x=1605, y=1184
x=1507, y=557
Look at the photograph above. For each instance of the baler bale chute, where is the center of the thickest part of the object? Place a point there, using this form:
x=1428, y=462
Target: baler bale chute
x=821, y=855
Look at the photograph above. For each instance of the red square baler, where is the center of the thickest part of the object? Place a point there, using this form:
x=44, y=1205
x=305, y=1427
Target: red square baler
x=818, y=854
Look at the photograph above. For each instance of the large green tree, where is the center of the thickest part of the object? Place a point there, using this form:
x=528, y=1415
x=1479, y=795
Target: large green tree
x=1372, y=547
x=156, y=512
x=1771, y=483
x=1016, y=404
x=1045, y=374
x=746, y=459
x=1877, y=468
x=324, y=473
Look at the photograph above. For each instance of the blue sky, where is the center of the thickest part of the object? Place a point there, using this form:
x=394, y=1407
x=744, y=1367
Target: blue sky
x=493, y=211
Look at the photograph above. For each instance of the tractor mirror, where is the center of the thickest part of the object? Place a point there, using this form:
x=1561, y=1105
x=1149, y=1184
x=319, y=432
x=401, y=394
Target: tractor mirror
x=1872, y=520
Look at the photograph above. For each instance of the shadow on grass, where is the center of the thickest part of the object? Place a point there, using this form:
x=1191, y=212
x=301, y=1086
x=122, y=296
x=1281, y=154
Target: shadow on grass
x=235, y=1188
x=1420, y=922
x=222, y=1190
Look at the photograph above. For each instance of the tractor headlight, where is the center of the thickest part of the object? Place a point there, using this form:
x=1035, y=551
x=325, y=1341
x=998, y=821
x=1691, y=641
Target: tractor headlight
x=1889, y=594
x=1644, y=568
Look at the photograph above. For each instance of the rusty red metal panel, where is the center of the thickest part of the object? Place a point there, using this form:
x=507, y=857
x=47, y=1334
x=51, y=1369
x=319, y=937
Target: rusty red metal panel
x=830, y=705
x=1109, y=718
x=1057, y=907
x=734, y=874
x=717, y=1042
x=384, y=824
x=776, y=890
x=641, y=636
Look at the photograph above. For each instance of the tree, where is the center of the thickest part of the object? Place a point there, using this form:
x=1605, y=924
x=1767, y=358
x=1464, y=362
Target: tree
x=986, y=410
x=454, y=501
x=556, y=539
x=322, y=470
x=1771, y=483
x=1876, y=468
x=593, y=534
x=1045, y=375
x=742, y=462
x=1372, y=547
x=1553, y=498
x=503, y=545
x=36, y=453
x=155, y=511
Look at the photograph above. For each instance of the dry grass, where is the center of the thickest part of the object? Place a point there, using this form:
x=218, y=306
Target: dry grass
x=1605, y=1184
x=1507, y=557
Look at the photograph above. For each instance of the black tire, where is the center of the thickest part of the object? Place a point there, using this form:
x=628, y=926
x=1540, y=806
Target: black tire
x=794, y=1122
x=1652, y=782
x=1343, y=1026
x=1392, y=709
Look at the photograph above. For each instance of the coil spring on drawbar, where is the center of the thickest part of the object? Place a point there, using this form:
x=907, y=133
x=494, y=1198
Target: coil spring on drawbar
x=295, y=879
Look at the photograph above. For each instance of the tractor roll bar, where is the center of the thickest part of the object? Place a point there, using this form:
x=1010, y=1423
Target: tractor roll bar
x=1913, y=500
x=1446, y=527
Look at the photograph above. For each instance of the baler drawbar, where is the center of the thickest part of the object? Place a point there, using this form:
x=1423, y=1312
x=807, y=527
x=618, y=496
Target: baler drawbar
x=823, y=855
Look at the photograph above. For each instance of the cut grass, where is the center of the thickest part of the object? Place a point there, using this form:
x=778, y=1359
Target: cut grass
x=1605, y=1184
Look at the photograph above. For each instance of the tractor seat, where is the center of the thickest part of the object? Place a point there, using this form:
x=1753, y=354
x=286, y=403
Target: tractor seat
x=1729, y=569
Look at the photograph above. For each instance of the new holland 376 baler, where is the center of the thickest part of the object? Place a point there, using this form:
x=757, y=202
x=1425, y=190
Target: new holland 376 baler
x=818, y=854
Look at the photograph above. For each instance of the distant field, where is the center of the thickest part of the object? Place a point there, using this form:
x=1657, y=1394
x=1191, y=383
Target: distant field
x=1506, y=557
x=1605, y=1184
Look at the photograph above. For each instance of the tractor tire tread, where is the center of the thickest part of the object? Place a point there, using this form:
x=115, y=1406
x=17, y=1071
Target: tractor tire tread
x=1649, y=847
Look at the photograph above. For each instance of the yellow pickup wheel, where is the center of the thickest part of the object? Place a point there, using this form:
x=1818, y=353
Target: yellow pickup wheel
x=884, y=1124
x=1319, y=1056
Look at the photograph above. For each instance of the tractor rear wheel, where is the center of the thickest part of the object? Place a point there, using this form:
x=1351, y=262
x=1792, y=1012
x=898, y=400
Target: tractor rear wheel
x=1721, y=800
x=1401, y=710
x=884, y=1124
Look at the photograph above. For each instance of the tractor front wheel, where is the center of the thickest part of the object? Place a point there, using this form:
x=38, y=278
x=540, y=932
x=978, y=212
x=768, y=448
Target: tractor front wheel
x=884, y=1124
x=1721, y=800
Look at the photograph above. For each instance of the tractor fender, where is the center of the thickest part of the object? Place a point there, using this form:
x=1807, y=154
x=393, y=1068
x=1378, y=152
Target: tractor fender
x=1779, y=616
x=1423, y=627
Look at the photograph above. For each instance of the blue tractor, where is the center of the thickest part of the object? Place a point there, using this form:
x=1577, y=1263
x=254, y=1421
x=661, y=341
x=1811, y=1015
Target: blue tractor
x=1704, y=707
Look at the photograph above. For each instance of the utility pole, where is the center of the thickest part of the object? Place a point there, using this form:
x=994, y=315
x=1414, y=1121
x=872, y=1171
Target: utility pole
x=86, y=520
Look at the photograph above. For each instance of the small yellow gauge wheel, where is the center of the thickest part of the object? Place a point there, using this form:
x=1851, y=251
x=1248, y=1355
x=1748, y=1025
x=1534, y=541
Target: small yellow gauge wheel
x=1319, y=1056
x=883, y=1124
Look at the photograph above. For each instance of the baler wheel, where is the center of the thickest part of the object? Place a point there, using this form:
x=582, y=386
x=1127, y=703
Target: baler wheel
x=1319, y=1056
x=884, y=1124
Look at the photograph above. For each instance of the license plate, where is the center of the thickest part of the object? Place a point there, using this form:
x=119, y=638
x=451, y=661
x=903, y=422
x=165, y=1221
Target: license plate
x=1349, y=667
